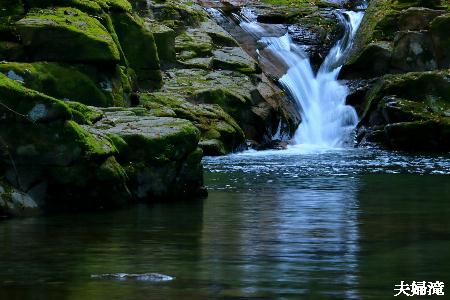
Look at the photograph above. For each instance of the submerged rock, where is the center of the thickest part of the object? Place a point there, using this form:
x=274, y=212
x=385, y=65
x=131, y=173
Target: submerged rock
x=16, y=203
x=147, y=277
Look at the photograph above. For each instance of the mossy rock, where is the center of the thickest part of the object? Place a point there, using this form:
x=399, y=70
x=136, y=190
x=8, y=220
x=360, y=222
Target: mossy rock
x=440, y=28
x=20, y=104
x=138, y=45
x=178, y=14
x=141, y=138
x=164, y=40
x=235, y=59
x=83, y=114
x=411, y=109
x=16, y=203
x=89, y=6
x=82, y=83
x=195, y=41
x=432, y=88
x=10, y=11
x=158, y=153
x=431, y=135
x=212, y=121
x=85, y=189
x=66, y=35
x=219, y=36
x=191, y=82
x=235, y=92
x=413, y=52
x=405, y=25
x=53, y=144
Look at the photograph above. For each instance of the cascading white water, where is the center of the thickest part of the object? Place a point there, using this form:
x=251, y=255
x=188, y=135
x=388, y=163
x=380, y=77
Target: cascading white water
x=327, y=122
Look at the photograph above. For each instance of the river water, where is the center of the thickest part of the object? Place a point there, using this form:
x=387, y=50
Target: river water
x=310, y=222
x=341, y=224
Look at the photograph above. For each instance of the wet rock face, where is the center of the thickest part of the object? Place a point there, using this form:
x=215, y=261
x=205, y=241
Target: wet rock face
x=109, y=102
x=313, y=24
x=397, y=37
x=408, y=109
x=57, y=153
x=408, y=112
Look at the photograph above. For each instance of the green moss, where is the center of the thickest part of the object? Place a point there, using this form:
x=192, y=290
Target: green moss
x=212, y=121
x=164, y=40
x=66, y=34
x=89, y=6
x=10, y=11
x=18, y=103
x=55, y=144
x=195, y=41
x=85, y=84
x=92, y=145
x=83, y=114
x=178, y=13
x=138, y=45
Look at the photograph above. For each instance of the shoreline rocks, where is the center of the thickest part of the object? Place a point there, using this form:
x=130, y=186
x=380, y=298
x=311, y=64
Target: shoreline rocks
x=108, y=102
x=401, y=53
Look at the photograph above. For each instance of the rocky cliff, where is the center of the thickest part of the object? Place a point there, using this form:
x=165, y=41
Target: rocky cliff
x=107, y=102
x=402, y=52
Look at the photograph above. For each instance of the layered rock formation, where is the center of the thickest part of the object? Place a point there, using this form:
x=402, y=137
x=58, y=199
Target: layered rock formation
x=107, y=102
x=402, y=50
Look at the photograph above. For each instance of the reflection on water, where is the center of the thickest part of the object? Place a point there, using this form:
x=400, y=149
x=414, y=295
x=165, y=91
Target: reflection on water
x=292, y=239
x=339, y=225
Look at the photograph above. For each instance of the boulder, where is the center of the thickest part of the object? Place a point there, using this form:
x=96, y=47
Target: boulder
x=138, y=45
x=16, y=203
x=91, y=7
x=66, y=34
x=87, y=84
x=413, y=51
x=177, y=14
x=408, y=112
x=164, y=40
x=399, y=36
x=440, y=27
x=159, y=154
x=234, y=59
x=23, y=105
x=220, y=134
x=193, y=43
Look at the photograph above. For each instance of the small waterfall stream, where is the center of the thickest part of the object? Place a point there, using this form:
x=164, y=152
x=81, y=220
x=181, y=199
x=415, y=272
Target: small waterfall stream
x=327, y=122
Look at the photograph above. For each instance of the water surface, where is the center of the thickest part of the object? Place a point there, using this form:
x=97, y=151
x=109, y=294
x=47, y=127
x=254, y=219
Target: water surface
x=277, y=225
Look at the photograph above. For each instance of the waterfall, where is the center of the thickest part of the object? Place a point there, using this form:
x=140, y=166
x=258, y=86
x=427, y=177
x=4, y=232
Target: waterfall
x=327, y=122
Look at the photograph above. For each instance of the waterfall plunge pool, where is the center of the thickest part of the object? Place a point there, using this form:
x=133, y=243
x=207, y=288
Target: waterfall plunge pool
x=305, y=223
x=336, y=225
